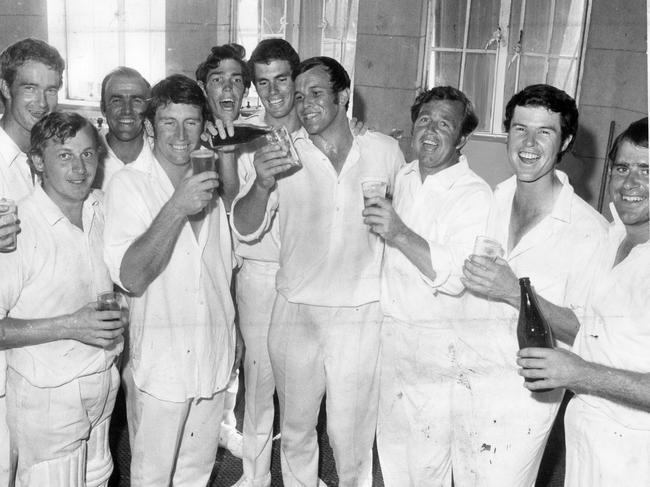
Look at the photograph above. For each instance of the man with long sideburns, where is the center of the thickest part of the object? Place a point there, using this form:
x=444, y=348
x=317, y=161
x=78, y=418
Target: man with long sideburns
x=324, y=335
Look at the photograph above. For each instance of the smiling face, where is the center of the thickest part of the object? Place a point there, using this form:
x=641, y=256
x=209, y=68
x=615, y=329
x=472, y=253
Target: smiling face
x=436, y=135
x=68, y=167
x=224, y=88
x=177, y=128
x=534, y=142
x=125, y=103
x=628, y=184
x=316, y=103
x=275, y=87
x=32, y=95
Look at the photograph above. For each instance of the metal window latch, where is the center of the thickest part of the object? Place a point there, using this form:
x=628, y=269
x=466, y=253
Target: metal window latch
x=497, y=37
x=517, y=50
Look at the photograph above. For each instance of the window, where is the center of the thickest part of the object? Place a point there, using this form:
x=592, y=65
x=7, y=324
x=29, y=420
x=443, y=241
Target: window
x=333, y=21
x=490, y=49
x=95, y=37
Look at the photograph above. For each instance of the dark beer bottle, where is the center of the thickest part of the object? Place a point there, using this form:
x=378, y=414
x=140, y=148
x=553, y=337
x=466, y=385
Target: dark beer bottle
x=243, y=133
x=532, y=329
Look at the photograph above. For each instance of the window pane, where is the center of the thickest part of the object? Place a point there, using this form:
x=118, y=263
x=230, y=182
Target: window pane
x=531, y=71
x=483, y=21
x=273, y=13
x=562, y=73
x=444, y=69
x=478, y=83
x=536, y=26
x=340, y=31
x=449, y=23
x=567, y=27
x=248, y=33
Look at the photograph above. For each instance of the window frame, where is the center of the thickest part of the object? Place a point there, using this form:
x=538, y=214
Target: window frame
x=497, y=108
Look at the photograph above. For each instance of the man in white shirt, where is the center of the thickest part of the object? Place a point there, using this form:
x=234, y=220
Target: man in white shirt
x=439, y=207
x=123, y=102
x=61, y=380
x=550, y=235
x=182, y=337
x=270, y=66
x=30, y=78
x=607, y=424
x=324, y=335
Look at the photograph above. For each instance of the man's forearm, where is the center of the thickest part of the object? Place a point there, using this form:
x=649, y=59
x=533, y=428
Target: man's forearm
x=562, y=321
x=149, y=254
x=21, y=333
x=228, y=177
x=248, y=213
x=415, y=249
x=621, y=386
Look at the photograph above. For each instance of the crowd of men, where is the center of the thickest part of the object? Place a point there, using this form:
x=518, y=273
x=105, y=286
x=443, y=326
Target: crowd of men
x=382, y=307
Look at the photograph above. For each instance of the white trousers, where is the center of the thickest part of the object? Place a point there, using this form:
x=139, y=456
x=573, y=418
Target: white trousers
x=414, y=428
x=443, y=410
x=5, y=445
x=500, y=429
x=172, y=443
x=602, y=453
x=320, y=350
x=255, y=298
x=61, y=433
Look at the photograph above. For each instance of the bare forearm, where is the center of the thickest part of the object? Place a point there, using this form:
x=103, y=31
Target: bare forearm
x=21, y=333
x=229, y=179
x=621, y=386
x=416, y=249
x=248, y=213
x=149, y=254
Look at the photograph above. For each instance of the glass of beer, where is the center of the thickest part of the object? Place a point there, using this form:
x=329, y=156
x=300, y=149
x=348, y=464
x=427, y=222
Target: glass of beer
x=113, y=301
x=8, y=207
x=280, y=136
x=487, y=247
x=202, y=160
x=373, y=188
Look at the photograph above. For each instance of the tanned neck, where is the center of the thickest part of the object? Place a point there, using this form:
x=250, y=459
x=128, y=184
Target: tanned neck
x=126, y=151
x=335, y=142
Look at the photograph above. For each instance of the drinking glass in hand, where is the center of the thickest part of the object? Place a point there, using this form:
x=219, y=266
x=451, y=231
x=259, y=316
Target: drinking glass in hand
x=202, y=160
x=112, y=301
x=280, y=137
x=373, y=189
x=487, y=247
x=8, y=207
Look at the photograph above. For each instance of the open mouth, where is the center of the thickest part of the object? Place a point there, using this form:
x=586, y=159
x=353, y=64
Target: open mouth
x=528, y=156
x=429, y=144
x=180, y=147
x=227, y=104
x=634, y=199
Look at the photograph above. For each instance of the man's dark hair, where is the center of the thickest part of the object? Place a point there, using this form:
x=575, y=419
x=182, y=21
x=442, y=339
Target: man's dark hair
x=179, y=89
x=61, y=126
x=273, y=50
x=221, y=53
x=554, y=100
x=470, y=120
x=339, y=78
x=120, y=71
x=25, y=50
x=636, y=133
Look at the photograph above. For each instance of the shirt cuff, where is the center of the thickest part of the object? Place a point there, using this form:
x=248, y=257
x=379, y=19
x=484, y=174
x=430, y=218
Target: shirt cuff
x=256, y=234
x=445, y=280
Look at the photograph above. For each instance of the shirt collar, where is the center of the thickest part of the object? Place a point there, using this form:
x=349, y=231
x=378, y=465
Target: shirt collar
x=562, y=207
x=8, y=148
x=52, y=213
x=445, y=178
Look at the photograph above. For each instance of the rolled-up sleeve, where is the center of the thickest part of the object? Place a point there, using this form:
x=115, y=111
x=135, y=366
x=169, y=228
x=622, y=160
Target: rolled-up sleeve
x=451, y=245
x=269, y=212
